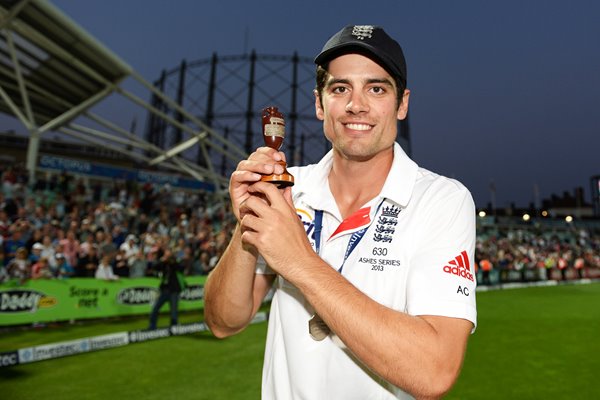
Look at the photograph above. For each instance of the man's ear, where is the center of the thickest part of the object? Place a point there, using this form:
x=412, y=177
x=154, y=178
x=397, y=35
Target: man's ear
x=403, y=109
x=318, y=106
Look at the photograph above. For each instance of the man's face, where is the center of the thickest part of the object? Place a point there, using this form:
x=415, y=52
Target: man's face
x=358, y=107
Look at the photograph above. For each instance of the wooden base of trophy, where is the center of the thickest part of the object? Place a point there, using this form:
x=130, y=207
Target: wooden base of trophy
x=281, y=180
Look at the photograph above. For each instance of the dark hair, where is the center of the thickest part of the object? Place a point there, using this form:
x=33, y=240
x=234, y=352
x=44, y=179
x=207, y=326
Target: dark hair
x=321, y=80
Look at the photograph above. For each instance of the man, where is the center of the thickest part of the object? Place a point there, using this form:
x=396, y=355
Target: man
x=172, y=284
x=371, y=255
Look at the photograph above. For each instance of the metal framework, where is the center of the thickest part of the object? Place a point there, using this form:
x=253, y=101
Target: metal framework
x=52, y=73
x=201, y=114
x=229, y=92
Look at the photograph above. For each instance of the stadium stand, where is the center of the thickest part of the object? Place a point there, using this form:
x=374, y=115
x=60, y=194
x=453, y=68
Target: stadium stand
x=72, y=225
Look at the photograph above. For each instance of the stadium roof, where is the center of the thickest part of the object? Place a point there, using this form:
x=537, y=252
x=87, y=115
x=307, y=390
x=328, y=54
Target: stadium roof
x=52, y=71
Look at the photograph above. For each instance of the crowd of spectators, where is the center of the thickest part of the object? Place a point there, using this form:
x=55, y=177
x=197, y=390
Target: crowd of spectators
x=537, y=253
x=65, y=226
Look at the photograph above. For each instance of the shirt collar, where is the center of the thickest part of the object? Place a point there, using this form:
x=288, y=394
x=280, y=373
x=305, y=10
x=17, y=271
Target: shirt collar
x=401, y=179
x=398, y=186
x=317, y=178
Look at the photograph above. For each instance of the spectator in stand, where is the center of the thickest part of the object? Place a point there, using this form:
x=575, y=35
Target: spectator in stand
x=36, y=237
x=70, y=247
x=48, y=252
x=62, y=264
x=162, y=228
x=85, y=231
x=39, y=218
x=4, y=222
x=563, y=266
x=41, y=269
x=105, y=271
x=137, y=265
x=178, y=247
x=187, y=260
x=540, y=266
x=19, y=267
x=86, y=245
x=65, y=270
x=107, y=247
x=486, y=267
x=550, y=259
x=118, y=236
x=58, y=236
x=120, y=264
x=36, y=253
x=9, y=181
x=3, y=272
x=130, y=246
x=579, y=264
x=11, y=208
x=141, y=225
x=14, y=242
x=204, y=263
x=521, y=264
x=87, y=264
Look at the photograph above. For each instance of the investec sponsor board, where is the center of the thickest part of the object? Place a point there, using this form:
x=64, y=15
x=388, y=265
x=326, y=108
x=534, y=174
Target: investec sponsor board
x=108, y=341
x=188, y=328
x=54, y=350
x=175, y=330
x=24, y=300
x=140, y=295
x=49, y=351
x=142, y=336
x=9, y=358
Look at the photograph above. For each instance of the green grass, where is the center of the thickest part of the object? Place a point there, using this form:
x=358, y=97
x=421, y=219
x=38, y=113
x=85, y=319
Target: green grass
x=534, y=343
x=196, y=366
x=531, y=343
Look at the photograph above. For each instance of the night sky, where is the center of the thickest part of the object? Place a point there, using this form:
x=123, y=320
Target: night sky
x=506, y=91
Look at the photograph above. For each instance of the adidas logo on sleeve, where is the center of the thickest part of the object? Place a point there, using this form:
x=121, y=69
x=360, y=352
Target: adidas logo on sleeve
x=460, y=266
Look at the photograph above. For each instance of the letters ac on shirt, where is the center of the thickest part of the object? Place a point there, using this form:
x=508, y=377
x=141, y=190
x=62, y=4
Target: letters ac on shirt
x=460, y=266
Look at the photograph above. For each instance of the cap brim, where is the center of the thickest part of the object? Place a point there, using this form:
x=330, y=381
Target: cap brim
x=357, y=48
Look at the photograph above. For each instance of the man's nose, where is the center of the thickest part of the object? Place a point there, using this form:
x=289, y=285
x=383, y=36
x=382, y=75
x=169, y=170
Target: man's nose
x=357, y=104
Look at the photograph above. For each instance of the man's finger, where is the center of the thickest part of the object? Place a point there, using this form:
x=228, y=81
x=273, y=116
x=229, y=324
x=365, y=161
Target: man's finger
x=270, y=192
x=256, y=204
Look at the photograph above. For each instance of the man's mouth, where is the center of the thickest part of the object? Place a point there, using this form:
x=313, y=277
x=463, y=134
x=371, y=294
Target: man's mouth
x=358, y=127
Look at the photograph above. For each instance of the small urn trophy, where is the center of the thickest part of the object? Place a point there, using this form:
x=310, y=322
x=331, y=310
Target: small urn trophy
x=273, y=126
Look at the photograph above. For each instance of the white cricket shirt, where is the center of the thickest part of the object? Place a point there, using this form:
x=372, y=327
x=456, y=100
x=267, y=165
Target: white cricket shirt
x=416, y=256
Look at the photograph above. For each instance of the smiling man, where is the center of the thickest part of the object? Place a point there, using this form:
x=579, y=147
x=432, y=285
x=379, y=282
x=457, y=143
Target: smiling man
x=370, y=255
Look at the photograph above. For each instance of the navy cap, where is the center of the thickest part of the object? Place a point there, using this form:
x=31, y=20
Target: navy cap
x=370, y=41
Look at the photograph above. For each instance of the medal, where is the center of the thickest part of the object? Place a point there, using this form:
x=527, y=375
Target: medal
x=317, y=328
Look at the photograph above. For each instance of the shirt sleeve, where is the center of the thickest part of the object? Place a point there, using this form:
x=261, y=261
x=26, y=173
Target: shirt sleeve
x=441, y=277
x=262, y=268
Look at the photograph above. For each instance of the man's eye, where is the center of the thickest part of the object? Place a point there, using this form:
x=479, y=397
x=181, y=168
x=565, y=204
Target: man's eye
x=377, y=90
x=339, y=90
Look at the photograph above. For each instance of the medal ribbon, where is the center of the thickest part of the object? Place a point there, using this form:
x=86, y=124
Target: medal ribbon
x=354, y=240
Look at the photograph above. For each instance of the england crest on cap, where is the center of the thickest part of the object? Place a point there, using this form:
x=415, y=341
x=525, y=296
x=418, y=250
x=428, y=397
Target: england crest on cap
x=362, y=31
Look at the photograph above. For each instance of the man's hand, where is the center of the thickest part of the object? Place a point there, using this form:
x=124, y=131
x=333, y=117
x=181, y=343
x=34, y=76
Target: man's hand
x=262, y=162
x=270, y=224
